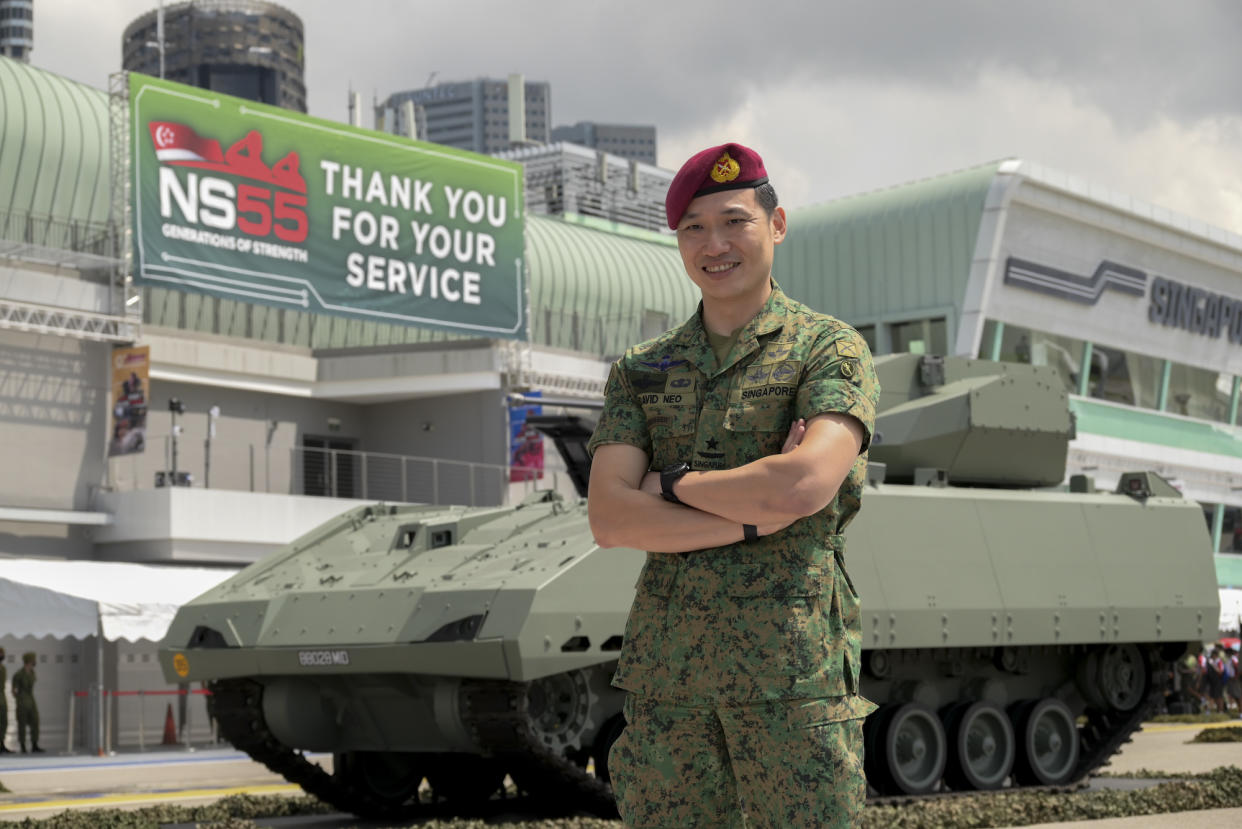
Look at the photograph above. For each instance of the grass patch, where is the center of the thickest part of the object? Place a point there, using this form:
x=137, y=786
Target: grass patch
x=1218, y=789
x=1228, y=734
x=233, y=812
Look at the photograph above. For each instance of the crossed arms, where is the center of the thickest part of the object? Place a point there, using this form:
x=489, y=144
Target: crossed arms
x=626, y=509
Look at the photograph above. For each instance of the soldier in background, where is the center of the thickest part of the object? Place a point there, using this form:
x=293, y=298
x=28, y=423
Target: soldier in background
x=24, y=701
x=4, y=705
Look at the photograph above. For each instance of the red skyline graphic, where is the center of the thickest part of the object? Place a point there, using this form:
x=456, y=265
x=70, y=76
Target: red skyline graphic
x=181, y=146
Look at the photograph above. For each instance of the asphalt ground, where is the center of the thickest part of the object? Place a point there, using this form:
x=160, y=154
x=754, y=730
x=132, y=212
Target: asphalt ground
x=42, y=785
x=45, y=784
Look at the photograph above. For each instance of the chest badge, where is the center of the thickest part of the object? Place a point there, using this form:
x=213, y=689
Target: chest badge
x=666, y=362
x=783, y=373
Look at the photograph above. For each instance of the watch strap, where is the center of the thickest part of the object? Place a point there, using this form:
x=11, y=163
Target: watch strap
x=670, y=476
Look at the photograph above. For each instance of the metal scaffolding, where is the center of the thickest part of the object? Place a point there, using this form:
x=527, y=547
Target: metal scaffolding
x=118, y=212
x=68, y=322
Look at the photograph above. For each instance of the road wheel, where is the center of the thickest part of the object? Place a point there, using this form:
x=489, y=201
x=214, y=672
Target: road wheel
x=389, y=779
x=1048, y=742
x=981, y=746
x=908, y=750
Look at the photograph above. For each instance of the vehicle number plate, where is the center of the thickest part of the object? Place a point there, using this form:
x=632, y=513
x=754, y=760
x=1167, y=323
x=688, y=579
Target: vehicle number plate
x=321, y=659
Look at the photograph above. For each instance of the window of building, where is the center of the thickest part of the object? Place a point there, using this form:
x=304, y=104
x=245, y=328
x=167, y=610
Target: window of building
x=1116, y=375
x=925, y=336
x=868, y=333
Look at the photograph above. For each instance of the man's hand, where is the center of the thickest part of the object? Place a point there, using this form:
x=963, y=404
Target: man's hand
x=797, y=431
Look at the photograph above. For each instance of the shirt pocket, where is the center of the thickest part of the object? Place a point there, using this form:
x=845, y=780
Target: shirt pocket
x=672, y=434
x=778, y=618
x=756, y=430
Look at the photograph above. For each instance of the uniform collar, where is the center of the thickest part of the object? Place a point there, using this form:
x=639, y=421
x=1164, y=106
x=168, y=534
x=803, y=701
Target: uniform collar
x=693, y=337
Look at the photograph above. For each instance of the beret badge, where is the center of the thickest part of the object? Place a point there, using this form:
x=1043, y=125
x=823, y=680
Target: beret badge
x=715, y=169
x=725, y=169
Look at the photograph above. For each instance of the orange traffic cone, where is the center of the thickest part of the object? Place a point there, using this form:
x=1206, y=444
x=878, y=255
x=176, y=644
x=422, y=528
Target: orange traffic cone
x=170, y=728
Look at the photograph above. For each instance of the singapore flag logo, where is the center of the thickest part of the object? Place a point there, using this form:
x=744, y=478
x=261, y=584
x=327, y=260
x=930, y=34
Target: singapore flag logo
x=164, y=136
x=180, y=143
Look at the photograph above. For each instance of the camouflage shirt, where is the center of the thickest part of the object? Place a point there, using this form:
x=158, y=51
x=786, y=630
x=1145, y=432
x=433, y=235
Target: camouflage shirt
x=776, y=618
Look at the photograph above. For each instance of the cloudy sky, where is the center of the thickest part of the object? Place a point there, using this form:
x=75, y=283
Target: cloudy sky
x=1141, y=96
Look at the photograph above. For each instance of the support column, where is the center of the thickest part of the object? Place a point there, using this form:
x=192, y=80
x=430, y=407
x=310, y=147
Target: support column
x=1084, y=370
x=998, y=335
x=883, y=338
x=1233, y=401
x=1218, y=520
x=1162, y=396
x=1218, y=525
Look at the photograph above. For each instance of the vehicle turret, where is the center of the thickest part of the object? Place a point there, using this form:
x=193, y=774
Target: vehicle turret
x=976, y=422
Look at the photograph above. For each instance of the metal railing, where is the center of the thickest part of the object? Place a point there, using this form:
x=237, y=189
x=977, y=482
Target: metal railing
x=181, y=734
x=43, y=231
x=332, y=473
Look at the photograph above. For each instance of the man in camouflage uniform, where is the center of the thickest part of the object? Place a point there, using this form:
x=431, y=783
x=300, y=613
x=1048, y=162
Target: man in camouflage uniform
x=24, y=702
x=733, y=450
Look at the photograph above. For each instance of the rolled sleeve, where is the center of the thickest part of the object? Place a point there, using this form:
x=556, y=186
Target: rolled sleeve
x=840, y=378
x=622, y=420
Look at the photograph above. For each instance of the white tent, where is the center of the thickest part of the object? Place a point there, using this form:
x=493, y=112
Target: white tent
x=1230, y=610
x=75, y=598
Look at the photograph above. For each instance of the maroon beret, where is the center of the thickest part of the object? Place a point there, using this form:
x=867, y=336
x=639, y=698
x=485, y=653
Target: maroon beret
x=726, y=167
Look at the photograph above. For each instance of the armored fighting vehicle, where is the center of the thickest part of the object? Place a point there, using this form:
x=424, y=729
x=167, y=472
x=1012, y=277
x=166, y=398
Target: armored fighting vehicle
x=1015, y=630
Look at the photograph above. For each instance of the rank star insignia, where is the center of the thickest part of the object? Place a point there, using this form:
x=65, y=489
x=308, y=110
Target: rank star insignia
x=725, y=169
x=713, y=444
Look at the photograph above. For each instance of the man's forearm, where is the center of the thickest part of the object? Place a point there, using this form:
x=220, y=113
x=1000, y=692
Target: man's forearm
x=750, y=494
x=645, y=522
x=781, y=488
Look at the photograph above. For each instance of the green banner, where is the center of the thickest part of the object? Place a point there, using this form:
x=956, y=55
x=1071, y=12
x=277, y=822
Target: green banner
x=255, y=203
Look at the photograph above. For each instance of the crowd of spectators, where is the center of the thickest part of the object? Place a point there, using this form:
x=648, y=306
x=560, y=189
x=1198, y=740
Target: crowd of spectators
x=1212, y=677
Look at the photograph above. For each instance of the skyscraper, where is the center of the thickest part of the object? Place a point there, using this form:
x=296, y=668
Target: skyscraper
x=17, y=29
x=248, y=48
x=485, y=115
x=637, y=143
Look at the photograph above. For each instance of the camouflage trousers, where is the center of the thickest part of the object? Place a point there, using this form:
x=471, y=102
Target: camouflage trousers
x=27, y=718
x=786, y=763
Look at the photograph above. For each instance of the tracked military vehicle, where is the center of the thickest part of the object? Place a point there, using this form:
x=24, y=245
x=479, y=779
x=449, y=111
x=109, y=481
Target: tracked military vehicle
x=1014, y=632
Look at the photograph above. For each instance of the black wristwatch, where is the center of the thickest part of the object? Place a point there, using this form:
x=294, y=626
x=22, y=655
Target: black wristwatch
x=670, y=475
